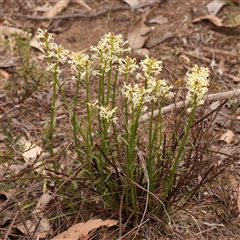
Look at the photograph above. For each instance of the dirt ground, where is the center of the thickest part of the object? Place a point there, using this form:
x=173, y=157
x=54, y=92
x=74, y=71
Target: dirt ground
x=180, y=39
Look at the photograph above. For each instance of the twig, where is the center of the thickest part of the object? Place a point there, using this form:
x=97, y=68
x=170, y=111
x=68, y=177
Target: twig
x=84, y=15
x=194, y=54
x=212, y=50
x=171, y=107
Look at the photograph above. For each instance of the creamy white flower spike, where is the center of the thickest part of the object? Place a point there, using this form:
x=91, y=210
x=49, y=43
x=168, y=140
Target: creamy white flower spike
x=197, y=84
x=55, y=53
x=45, y=35
x=109, y=49
x=151, y=66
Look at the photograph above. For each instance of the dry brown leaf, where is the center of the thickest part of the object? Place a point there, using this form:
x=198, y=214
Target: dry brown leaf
x=57, y=8
x=227, y=137
x=7, y=215
x=215, y=6
x=215, y=20
x=221, y=65
x=142, y=52
x=154, y=41
x=160, y=19
x=34, y=43
x=12, y=62
x=132, y=3
x=42, y=203
x=4, y=74
x=81, y=230
x=31, y=151
x=136, y=38
x=2, y=20
x=43, y=228
x=5, y=30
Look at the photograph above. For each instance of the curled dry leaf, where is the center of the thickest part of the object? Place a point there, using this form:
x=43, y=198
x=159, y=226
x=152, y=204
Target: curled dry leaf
x=227, y=137
x=215, y=20
x=81, y=230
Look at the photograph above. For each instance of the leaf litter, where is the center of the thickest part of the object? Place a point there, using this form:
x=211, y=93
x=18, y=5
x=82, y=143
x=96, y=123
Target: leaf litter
x=141, y=36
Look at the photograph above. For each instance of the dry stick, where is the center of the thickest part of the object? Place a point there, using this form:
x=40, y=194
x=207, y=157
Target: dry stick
x=213, y=50
x=210, y=98
x=87, y=14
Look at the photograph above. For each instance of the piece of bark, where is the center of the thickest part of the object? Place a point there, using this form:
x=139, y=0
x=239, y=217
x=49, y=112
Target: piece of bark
x=230, y=31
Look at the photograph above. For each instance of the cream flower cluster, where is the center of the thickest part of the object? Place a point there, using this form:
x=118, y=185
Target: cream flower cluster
x=55, y=53
x=109, y=48
x=153, y=89
x=79, y=62
x=109, y=51
x=151, y=66
x=197, y=84
x=136, y=94
x=127, y=65
x=107, y=114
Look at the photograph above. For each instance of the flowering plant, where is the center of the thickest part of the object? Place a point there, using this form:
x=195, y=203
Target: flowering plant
x=111, y=151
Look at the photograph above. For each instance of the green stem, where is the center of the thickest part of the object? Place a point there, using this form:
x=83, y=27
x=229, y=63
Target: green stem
x=178, y=158
x=52, y=120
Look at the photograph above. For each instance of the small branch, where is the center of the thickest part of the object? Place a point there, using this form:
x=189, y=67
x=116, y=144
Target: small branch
x=212, y=50
x=212, y=97
x=86, y=14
